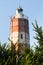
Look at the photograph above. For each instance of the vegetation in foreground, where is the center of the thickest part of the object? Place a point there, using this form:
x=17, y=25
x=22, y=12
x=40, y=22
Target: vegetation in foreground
x=8, y=56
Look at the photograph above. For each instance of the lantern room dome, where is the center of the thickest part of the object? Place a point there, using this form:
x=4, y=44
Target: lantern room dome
x=19, y=9
x=19, y=13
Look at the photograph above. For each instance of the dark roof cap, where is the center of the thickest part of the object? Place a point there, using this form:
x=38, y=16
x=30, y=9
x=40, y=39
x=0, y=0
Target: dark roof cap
x=19, y=9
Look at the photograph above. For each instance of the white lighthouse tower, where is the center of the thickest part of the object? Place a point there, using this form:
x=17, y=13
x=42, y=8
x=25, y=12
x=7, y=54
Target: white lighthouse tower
x=19, y=28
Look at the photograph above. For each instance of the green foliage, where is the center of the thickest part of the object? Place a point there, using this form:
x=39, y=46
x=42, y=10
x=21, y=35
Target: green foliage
x=39, y=48
x=39, y=33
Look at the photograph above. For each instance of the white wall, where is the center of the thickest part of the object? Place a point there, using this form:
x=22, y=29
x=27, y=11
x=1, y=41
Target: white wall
x=16, y=37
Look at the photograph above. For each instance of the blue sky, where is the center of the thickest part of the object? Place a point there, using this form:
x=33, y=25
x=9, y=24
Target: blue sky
x=32, y=8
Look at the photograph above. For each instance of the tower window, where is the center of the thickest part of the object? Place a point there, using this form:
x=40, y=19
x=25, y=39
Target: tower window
x=21, y=36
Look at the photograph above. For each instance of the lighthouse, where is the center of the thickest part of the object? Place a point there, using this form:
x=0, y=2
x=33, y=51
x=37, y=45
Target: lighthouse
x=19, y=28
